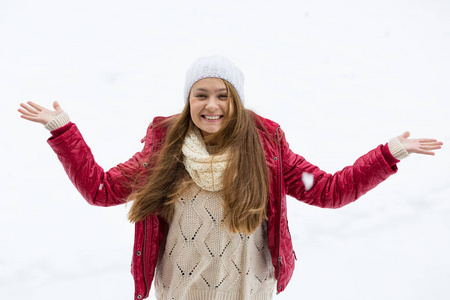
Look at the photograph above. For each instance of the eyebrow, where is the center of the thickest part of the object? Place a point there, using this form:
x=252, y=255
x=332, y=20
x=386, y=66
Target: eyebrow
x=205, y=90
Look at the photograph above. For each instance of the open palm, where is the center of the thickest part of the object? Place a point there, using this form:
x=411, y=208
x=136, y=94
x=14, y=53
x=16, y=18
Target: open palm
x=39, y=114
x=420, y=146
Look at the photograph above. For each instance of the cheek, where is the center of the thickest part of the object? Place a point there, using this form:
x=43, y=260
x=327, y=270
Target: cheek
x=229, y=108
x=193, y=117
x=194, y=110
x=194, y=113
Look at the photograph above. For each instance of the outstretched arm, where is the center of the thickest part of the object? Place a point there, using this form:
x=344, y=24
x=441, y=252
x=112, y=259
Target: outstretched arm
x=95, y=185
x=345, y=186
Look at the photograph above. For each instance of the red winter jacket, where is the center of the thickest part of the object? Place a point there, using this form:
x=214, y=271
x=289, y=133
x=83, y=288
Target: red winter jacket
x=285, y=170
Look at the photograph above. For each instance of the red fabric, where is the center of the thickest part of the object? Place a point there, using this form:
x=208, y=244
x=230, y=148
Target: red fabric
x=285, y=170
x=57, y=132
x=390, y=159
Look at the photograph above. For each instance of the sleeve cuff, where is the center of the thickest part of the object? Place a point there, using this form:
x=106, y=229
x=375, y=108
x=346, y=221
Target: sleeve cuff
x=397, y=150
x=58, y=122
x=57, y=132
x=391, y=160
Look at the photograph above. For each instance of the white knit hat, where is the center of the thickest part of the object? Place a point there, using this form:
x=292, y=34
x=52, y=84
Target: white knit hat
x=214, y=66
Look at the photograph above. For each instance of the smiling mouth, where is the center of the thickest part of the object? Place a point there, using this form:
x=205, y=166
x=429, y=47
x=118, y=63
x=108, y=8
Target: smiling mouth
x=212, y=117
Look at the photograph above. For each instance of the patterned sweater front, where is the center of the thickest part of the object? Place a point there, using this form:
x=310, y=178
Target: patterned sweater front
x=201, y=259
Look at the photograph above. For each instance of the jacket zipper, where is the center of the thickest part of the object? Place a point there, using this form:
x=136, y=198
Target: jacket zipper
x=280, y=259
x=147, y=290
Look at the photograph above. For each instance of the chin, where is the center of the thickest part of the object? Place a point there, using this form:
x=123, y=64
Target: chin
x=208, y=131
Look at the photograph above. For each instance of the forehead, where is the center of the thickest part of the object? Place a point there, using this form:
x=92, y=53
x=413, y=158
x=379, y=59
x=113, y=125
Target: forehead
x=210, y=83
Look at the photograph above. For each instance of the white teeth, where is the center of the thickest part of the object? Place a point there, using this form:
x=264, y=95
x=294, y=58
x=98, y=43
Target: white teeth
x=212, y=117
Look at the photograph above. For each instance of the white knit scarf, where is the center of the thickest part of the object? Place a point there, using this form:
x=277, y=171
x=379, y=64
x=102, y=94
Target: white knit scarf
x=205, y=169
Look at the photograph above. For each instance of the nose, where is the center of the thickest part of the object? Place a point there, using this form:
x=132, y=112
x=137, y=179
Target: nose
x=212, y=103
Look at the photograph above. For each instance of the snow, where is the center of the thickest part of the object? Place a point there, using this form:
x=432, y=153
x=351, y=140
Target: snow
x=341, y=77
x=308, y=180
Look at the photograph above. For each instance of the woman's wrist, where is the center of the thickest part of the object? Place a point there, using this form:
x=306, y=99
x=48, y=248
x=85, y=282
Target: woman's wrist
x=397, y=149
x=57, y=122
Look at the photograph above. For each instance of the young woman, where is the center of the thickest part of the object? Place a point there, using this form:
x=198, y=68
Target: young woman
x=209, y=189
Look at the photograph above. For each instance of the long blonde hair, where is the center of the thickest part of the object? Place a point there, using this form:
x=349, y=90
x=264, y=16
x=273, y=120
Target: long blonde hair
x=245, y=181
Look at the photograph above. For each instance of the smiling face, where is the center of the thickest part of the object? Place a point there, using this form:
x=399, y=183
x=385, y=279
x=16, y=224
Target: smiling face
x=209, y=105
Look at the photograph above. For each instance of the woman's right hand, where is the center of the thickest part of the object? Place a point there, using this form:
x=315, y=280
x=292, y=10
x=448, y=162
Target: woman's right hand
x=36, y=113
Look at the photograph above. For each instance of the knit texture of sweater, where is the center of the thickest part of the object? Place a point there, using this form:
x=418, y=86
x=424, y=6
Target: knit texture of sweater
x=200, y=258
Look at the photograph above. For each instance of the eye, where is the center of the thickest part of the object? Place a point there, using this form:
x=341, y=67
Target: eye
x=223, y=97
x=202, y=96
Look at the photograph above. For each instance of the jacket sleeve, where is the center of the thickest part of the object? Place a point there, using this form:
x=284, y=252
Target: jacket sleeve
x=94, y=184
x=333, y=190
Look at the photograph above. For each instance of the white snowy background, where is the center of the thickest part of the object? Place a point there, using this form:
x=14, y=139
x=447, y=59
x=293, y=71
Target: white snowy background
x=341, y=77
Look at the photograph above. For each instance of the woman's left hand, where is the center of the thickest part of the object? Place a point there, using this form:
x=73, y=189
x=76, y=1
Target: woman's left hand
x=420, y=146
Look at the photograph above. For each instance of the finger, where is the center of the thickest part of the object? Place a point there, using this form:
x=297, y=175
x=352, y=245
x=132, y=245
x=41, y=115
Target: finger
x=25, y=106
x=36, y=106
x=432, y=144
x=405, y=134
x=29, y=109
x=420, y=151
x=430, y=147
x=30, y=118
x=24, y=112
x=56, y=106
x=427, y=152
x=424, y=140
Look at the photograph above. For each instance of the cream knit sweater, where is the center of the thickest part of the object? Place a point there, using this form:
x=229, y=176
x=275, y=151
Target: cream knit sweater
x=199, y=258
